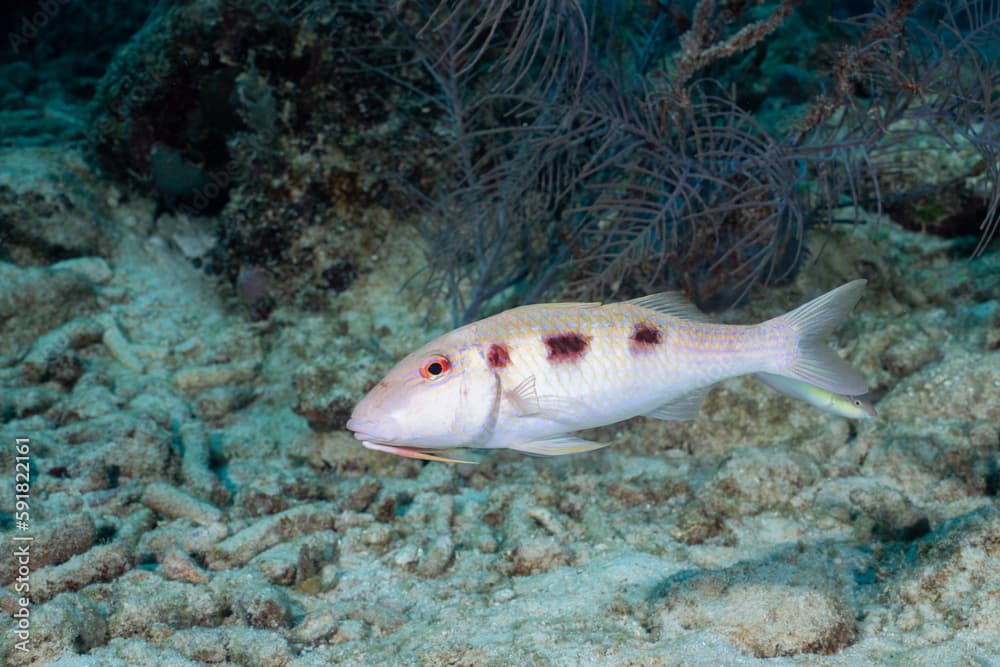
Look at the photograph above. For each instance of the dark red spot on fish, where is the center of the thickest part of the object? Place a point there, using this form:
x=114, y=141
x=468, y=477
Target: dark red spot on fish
x=647, y=334
x=498, y=356
x=566, y=346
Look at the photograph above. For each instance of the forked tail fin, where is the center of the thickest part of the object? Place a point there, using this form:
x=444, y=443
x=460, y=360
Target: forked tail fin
x=816, y=363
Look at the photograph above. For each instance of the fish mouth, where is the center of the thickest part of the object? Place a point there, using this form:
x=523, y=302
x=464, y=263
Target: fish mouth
x=362, y=431
x=382, y=444
x=867, y=407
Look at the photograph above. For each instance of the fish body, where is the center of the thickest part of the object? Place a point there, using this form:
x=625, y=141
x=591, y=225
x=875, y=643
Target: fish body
x=529, y=377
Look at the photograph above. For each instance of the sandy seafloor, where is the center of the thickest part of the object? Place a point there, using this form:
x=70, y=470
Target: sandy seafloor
x=183, y=513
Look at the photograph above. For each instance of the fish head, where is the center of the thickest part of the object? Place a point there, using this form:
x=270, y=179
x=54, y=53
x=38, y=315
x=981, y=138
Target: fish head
x=857, y=407
x=442, y=396
x=842, y=405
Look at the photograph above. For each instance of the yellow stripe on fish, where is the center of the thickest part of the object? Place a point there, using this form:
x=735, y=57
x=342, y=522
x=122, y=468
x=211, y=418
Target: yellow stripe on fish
x=529, y=377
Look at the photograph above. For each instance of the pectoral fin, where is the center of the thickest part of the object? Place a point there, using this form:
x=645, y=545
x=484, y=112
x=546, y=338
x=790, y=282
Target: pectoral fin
x=526, y=402
x=524, y=398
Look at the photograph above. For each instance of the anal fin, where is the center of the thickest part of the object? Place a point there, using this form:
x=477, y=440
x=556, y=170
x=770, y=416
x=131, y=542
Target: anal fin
x=685, y=407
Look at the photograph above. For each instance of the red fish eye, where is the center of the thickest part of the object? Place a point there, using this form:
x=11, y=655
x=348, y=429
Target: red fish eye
x=435, y=367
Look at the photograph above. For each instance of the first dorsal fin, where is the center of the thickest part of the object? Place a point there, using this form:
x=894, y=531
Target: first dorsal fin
x=673, y=304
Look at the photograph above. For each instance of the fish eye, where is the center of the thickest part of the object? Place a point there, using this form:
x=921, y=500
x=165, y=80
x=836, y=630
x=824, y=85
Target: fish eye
x=435, y=367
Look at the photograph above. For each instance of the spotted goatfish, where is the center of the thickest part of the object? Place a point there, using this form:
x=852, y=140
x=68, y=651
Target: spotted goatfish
x=529, y=377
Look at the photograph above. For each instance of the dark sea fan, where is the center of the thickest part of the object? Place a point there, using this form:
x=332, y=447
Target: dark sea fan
x=696, y=194
x=498, y=74
x=620, y=157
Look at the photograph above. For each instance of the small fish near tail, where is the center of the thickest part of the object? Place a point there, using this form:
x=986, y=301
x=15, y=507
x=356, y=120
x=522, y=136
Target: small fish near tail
x=816, y=364
x=841, y=405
